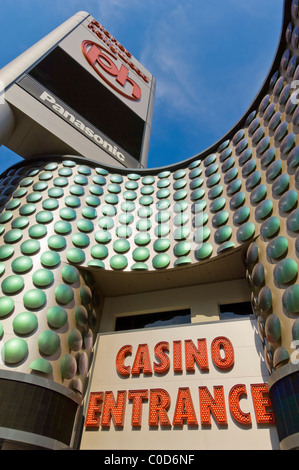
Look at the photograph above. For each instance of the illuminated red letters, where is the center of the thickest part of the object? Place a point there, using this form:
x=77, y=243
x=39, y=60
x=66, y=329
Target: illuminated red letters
x=142, y=362
x=158, y=406
x=102, y=60
x=184, y=409
x=103, y=407
x=114, y=409
x=222, y=345
x=198, y=355
x=120, y=359
x=94, y=410
x=177, y=357
x=209, y=405
x=163, y=366
x=261, y=402
x=222, y=353
x=235, y=394
x=138, y=397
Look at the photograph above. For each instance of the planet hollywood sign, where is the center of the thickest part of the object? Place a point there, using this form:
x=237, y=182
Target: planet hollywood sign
x=113, y=62
x=178, y=357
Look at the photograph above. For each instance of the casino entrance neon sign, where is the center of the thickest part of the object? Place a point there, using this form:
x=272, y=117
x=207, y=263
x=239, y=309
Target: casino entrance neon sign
x=104, y=63
x=105, y=406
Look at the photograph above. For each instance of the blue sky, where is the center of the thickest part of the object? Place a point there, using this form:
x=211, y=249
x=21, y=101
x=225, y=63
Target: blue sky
x=209, y=58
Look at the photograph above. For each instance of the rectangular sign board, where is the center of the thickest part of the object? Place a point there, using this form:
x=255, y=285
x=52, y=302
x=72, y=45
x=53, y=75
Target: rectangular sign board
x=88, y=76
x=198, y=387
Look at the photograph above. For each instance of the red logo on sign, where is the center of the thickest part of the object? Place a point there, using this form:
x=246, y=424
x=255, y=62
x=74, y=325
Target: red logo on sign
x=103, y=62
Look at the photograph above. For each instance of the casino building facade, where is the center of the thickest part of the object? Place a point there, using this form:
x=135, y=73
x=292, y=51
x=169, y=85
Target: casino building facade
x=145, y=308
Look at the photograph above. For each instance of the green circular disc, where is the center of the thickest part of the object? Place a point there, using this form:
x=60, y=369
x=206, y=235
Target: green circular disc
x=41, y=365
x=161, y=261
x=62, y=227
x=64, y=294
x=241, y=215
x=141, y=254
x=12, y=284
x=75, y=255
x=14, y=350
x=37, y=231
x=34, y=197
x=56, y=242
x=20, y=222
x=182, y=248
x=264, y=209
x=72, y=201
x=50, y=259
x=84, y=170
x=123, y=231
x=277, y=247
x=223, y=234
x=40, y=186
x=55, y=192
x=48, y=342
x=85, y=225
x=70, y=274
x=288, y=200
x=6, y=216
x=27, y=209
x=89, y=212
x=121, y=246
x=139, y=267
x=45, y=176
x=34, y=298
x=270, y=227
x=60, y=181
x=44, y=217
x=111, y=198
x=204, y=251
x=68, y=366
x=76, y=190
x=161, y=244
x=106, y=222
x=293, y=221
x=99, y=251
x=258, y=193
x=142, y=238
x=50, y=204
x=42, y=277
x=22, y=264
x=118, y=262
x=13, y=236
x=219, y=218
x=93, y=201
x=6, y=251
x=67, y=213
x=290, y=299
x=102, y=236
x=30, y=247
x=81, y=315
x=56, y=316
x=25, y=323
x=245, y=232
x=285, y=271
x=96, y=263
x=80, y=179
x=80, y=240
x=6, y=306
